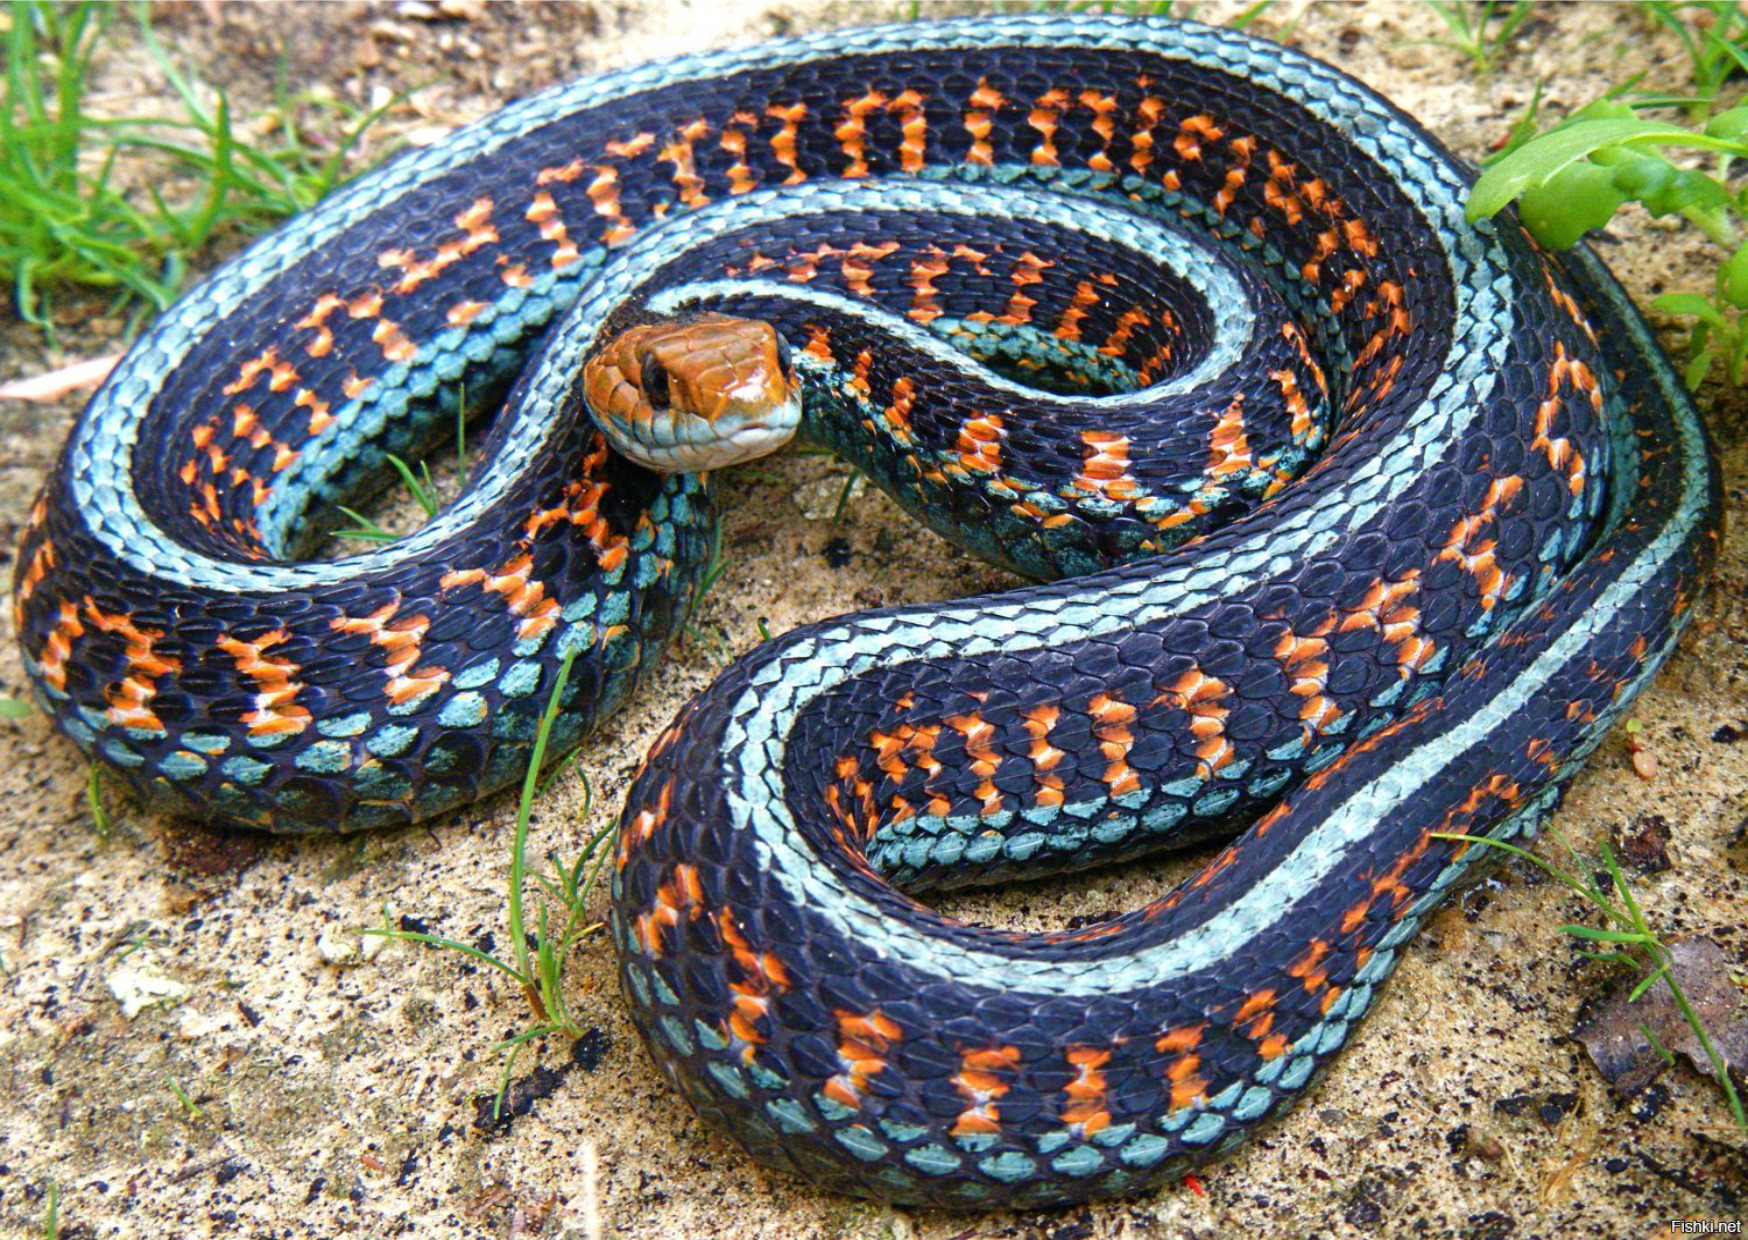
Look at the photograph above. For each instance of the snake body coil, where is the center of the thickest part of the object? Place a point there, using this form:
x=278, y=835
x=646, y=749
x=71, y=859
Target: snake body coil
x=1352, y=502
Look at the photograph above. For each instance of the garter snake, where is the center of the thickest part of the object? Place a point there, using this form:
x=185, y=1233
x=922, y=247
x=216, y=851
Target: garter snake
x=1355, y=523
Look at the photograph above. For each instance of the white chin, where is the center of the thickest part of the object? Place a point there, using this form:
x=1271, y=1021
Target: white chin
x=747, y=444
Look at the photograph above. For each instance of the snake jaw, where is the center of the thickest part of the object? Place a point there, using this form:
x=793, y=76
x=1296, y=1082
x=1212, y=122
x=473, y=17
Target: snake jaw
x=694, y=394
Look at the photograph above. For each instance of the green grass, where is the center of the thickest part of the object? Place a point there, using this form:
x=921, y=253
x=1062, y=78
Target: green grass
x=188, y=1107
x=1522, y=129
x=559, y=926
x=1129, y=8
x=51, y=1227
x=461, y=436
x=1184, y=9
x=417, y=482
x=365, y=530
x=713, y=573
x=419, y=486
x=1480, y=30
x=845, y=496
x=1631, y=942
x=83, y=202
x=94, y=801
x=1714, y=50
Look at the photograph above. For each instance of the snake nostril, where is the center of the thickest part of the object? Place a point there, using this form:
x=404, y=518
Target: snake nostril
x=785, y=356
x=654, y=382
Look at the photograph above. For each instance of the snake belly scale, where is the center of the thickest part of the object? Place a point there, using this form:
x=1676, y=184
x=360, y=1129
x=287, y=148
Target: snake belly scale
x=1360, y=518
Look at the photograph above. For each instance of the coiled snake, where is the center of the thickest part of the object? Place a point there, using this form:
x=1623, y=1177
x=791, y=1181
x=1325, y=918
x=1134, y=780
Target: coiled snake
x=1348, y=502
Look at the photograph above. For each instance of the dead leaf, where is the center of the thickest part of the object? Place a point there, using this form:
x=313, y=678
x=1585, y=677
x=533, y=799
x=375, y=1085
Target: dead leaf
x=73, y=377
x=1646, y=842
x=1615, y=1033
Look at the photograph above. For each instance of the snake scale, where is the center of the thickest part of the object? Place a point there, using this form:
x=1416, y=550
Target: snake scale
x=1355, y=523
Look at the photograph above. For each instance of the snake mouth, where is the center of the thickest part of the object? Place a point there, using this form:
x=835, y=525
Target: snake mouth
x=691, y=444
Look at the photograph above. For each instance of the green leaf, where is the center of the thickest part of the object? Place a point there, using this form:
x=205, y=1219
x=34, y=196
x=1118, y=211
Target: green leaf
x=1606, y=936
x=1646, y=983
x=12, y=708
x=94, y=801
x=1539, y=160
x=1732, y=126
x=1575, y=200
x=437, y=940
x=1736, y=356
x=419, y=490
x=1733, y=278
x=1660, y=185
x=1697, y=368
x=1655, y=1044
x=367, y=528
x=1607, y=108
x=1688, y=303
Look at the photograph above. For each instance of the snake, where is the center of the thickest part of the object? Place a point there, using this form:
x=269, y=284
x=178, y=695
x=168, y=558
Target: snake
x=1352, y=525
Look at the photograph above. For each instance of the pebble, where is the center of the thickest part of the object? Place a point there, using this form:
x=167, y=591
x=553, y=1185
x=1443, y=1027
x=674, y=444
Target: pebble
x=347, y=948
x=139, y=982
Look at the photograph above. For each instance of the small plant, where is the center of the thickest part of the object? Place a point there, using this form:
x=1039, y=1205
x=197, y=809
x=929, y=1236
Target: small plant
x=51, y=1228
x=188, y=1107
x=713, y=572
x=1575, y=176
x=419, y=484
x=67, y=218
x=558, y=927
x=365, y=530
x=1480, y=30
x=846, y=495
x=12, y=708
x=461, y=436
x=1521, y=131
x=1130, y=8
x=1714, y=52
x=1630, y=942
x=94, y=802
x=1186, y=9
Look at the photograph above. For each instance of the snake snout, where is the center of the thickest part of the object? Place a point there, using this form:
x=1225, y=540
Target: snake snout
x=694, y=394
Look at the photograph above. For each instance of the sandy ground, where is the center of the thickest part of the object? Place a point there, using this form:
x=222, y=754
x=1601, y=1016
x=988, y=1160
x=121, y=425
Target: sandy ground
x=345, y=1100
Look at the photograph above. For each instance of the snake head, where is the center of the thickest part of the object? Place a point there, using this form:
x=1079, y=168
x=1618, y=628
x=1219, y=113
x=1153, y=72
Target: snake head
x=694, y=394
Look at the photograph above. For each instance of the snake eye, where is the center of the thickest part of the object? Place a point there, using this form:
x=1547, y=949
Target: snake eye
x=785, y=355
x=655, y=382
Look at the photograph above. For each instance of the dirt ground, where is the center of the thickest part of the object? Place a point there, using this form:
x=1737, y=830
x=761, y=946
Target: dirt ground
x=345, y=1099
